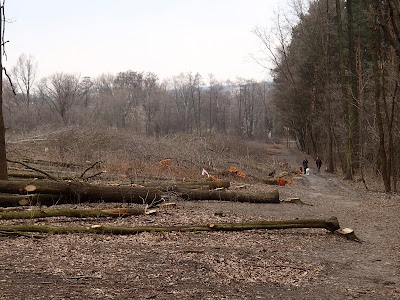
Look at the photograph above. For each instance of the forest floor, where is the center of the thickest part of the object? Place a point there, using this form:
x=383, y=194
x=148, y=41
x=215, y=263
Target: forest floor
x=256, y=264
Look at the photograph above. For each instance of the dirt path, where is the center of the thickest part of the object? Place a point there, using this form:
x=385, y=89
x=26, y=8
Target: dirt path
x=368, y=269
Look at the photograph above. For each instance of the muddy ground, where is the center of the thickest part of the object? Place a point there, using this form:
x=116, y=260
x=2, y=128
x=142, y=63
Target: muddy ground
x=258, y=264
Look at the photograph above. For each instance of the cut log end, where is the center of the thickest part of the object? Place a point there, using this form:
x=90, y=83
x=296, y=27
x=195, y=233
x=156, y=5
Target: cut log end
x=169, y=205
x=348, y=233
x=296, y=201
x=332, y=224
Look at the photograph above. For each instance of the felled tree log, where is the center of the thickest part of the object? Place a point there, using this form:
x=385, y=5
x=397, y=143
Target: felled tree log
x=210, y=184
x=75, y=213
x=78, y=192
x=191, y=185
x=266, y=197
x=62, y=192
x=12, y=200
x=330, y=224
x=25, y=175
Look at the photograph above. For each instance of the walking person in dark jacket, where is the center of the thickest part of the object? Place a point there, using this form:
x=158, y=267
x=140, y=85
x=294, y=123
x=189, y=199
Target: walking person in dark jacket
x=305, y=165
x=319, y=163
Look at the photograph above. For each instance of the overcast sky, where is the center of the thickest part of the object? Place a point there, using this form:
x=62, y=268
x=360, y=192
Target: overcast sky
x=167, y=37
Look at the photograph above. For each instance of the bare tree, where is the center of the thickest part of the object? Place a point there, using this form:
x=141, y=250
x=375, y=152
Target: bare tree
x=181, y=91
x=104, y=84
x=151, y=103
x=129, y=87
x=25, y=74
x=86, y=85
x=61, y=91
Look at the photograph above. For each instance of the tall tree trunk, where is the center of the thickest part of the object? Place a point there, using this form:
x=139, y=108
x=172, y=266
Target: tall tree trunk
x=3, y=159
x=330, y=164
x=387, y=118
x=343, y=84
x=374, y=44
x=360, y=77
x=210, y=120
x=199, y=118
x=328, y=97
x=353, y=100
x=394, y=161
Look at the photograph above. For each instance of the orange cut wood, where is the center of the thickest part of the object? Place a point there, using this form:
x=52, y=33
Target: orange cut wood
x=30, y=188
x=281, y=181
x=241, y=174
x=214, y=179
x=164, y=161
x=233, y=170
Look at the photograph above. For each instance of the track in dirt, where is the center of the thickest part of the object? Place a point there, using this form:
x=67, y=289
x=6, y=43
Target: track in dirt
x=373, y=267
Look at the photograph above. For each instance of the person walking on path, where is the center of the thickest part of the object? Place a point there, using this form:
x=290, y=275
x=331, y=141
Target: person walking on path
x=305, y=165
x=319, y=163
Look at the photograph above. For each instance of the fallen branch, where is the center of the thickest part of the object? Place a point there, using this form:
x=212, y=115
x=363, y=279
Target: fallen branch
x=3, y=209
x=15, y=233
x=94, y=175
x=52, y=163
x=90, y=167
x=33, y=168
x=12, y=200
x=25, y=175
x=330, y=224
x=75, y=213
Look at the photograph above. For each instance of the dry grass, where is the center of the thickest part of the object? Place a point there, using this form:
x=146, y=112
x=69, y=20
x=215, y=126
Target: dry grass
x=133, y=158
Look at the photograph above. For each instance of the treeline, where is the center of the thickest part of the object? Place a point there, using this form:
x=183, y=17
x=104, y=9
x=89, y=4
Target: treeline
x=336, y=84
x=137, y=101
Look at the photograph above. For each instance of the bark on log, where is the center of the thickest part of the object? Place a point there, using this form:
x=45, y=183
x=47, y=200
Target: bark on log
x=62, y=192
x=75, y=213
x=10, y=200
x=78, y=192
x=191, y=185
x=267, y=197
x=210, y=184
x=330, y=224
